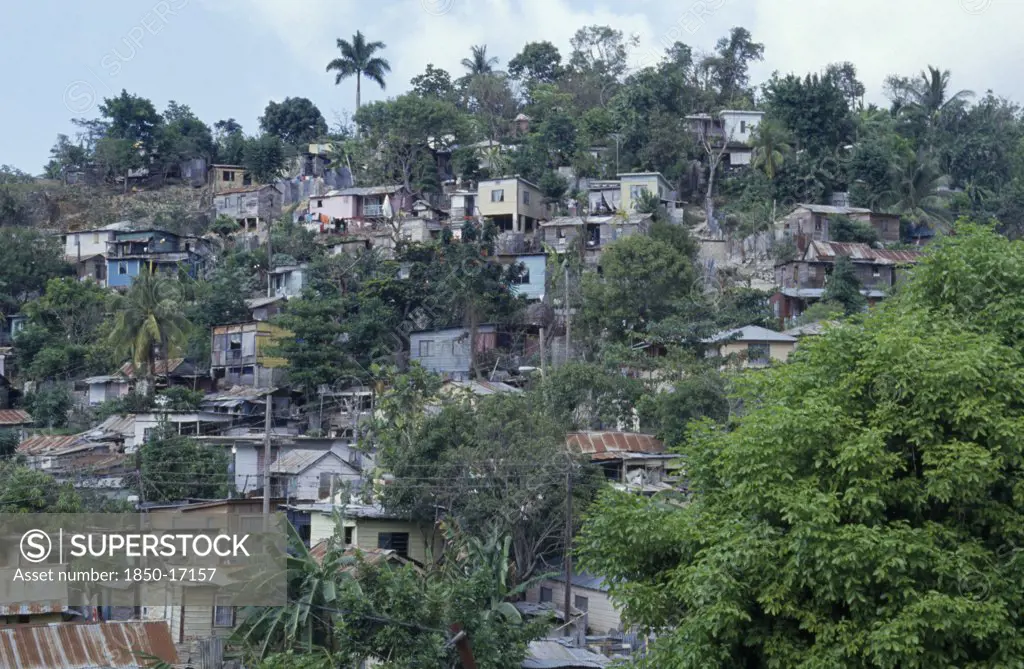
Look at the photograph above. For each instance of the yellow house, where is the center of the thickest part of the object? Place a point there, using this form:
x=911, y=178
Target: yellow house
x=754, y=346
x=513, y=203
x=632, y=184
x=369, y=527
x=227, y=177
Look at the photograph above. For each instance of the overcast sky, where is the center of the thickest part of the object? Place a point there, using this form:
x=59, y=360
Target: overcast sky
x=228, y=58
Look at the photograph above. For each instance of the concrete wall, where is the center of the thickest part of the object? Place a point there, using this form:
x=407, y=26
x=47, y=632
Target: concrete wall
x=87, y=243
x=739, y=126
x=424, y=543
x=335, y=206
x=536, y=265
x=219, y=174
x=635, y=182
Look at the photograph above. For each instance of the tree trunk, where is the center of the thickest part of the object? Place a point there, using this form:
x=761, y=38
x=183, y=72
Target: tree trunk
x=358, y=90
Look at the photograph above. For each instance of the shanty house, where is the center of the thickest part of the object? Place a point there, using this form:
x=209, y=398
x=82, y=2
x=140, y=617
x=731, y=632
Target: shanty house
x=814, y=222
x=102, y=389
x=240, y=355
x=310, y=475
x=228, y=177
x=754, y=345
x=105, y=645
x=589, y=596
x=133, y=252
x=359, y=203
x=631, y=461
x=446, y=352
x=369, y=527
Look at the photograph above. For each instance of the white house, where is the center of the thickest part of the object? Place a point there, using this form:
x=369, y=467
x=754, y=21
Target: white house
x=102, y=389
x=734, y=126
x=288, y=280
x=589, y=596
x=310, y=474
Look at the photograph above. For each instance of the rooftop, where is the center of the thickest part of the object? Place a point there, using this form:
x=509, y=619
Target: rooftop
x=751, y=333
x=52, y=444
x=558, y=654
x=14, y=417
x=244, y=189
x=860, y=253
x=357, y=190
x=108, y=645
x=599, y=443
x=829, y=209
x=299, y=460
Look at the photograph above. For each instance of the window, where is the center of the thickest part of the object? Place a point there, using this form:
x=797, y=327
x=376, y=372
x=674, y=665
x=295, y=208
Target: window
x=95, y=238
x=526, y=197
x=758, y=353
x=875, y=272
x=122, y=268
x=817, y=225
x=743, y=127
x=545, y=595
x=328, y=484
x=885, y=226
x=426, y=348
x=223, y=612
x=561, y=233
x=636, y=192
x=319, y=204
x=581, y=603
x=225, y=175
x=523, y=277
x=796, y=273
x=147, y=434
x=348, y=535
x=394, y=541
x=498, y=195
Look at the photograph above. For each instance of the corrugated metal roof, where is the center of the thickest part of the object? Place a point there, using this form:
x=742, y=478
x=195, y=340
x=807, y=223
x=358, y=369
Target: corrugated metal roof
x=244, y=189
x=751, y=333
x=104, y=379
x=556, y=654
x=33, y=608
x=356, y=190
x=114, y=645
x=119, y=426
x=14, y=417
x=613, y=442
x=257, y=302
x=481, y=387
x=297, y=461
x=48, y=443
x=159, y=367
x=828, y=209
x=827, y=251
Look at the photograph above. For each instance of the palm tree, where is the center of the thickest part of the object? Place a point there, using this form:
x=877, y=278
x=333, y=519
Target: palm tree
x=478, y=62
x=771, y=144
x=357, y=59
x=918, y=190
x=929, y=92
x=150, y=322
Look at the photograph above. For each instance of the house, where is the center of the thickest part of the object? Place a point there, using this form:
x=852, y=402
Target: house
x=589, y=596
x=756, y=346
x=447, y=351
x=513, y=203
x=531, y=281
x=591, y=233
x=102, y=645
x=265, y=308
x=228, y=177
x=133, y=252
x=100, y=389
x=478, y=388
x=631, y=461
x=307, y=475
x=252, y=207
x=369, y=527
x=735, y=127
x=632, y=184
x=360, y=204
x=14, y=418
x=173, y=372
x=87, y=250
x=129, y=431
x=288, y=280
x=604, y=197
x=240, y=355
x=813, y=222
x=802, y=281
x=409, y=231
x=463, y=206
x=86, y=464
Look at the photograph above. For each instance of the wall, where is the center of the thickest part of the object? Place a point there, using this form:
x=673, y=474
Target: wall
x=322, y=526
x=86, y=243
x=422, y=542
x=602, y=615
x=336, y=206
x=536, y=265
x=115, y=279
x=505, y=208
x=102, y=392
x=612, y=196
x=449, y=353
x=776, y=350
x=733, y=126
x=217, y=177
x=306, y=485
x=198, y=609
x=651, y=182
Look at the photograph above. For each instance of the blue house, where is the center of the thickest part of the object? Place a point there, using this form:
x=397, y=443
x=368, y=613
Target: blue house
x=534, y=276
x=131, y=253
x=446, y=352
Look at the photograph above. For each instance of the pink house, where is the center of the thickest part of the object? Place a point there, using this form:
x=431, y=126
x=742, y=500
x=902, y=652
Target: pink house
x=357, y=204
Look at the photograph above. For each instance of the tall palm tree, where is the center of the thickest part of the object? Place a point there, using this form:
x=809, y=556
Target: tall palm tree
x=929, y=92
x=478, y=62
x=357, y=58
x=771, y=144
x=918, y=190
x=150, y=322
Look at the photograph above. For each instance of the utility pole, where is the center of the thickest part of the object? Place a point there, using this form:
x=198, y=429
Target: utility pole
x=567, y=560
x=266, y=462
x=270, y=256
x=568, y=317
x=542, y=353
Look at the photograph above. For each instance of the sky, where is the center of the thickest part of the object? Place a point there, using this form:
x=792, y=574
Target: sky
x=228, y=58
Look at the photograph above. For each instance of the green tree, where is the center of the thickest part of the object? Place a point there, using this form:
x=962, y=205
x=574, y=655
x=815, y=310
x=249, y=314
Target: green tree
x=65, y=156
x=183, y=136
x=843, y=287
x=479, y=62
x=814, y=109
x=28, y=259
x=537, y=63
x=263, y=157
x=118, y=157
x=845, y=229
x=728, y=68
x=150, y=324
x=433, y=83
x=25, y=490
x=296, y=121
x=861, y=513
x=771, y=144
x=358, y=59
x=230, y=142
x=172, y=467
x=133, y=119
x=49, y=405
